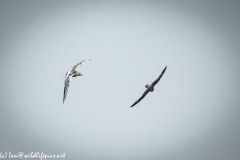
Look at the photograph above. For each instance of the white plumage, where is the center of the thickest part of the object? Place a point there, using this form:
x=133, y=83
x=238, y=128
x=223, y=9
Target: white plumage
x=69, y=75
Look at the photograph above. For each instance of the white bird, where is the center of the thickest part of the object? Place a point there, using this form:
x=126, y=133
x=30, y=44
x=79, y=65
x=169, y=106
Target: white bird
x=69, y=75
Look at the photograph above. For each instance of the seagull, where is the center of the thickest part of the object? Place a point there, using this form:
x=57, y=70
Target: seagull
x=69, y=75
x=150, y=88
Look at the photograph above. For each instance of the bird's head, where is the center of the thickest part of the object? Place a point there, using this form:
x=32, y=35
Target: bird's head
x=147, y=86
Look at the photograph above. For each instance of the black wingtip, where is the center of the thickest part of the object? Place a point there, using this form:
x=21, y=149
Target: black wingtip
x=165, y=69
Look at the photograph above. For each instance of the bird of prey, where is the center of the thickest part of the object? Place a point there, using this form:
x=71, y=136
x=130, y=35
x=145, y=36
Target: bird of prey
x=69, y=75
x=150, y=88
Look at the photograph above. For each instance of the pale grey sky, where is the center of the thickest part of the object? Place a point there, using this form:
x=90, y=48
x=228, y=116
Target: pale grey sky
x=193, y=112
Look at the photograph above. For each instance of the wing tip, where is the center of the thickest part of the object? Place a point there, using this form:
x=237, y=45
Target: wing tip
x=132, y=105
x=164, y=69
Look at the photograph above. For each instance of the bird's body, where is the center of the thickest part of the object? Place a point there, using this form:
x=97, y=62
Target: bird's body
x=69, y=75
x=150, y=88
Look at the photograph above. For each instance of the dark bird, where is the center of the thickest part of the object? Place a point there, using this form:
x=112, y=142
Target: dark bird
x=69, y=75
x=150, y=88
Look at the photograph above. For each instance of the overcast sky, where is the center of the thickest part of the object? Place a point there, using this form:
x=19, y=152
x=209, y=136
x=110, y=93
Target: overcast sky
x=193, y=113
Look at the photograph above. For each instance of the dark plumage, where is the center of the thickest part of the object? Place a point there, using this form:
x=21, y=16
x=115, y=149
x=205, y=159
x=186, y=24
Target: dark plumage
x=150, y=88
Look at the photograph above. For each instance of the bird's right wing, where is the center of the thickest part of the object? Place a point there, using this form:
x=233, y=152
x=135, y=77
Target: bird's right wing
x=82, y=62
x=66, y=86
x=144, y=94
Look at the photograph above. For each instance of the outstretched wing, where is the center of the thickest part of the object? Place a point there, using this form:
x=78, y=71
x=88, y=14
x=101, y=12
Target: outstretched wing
x=66, y=86
x=82, y=62
x=156, y=81
x=144, y=94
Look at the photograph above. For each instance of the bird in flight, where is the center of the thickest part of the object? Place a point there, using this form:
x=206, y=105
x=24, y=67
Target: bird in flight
x=150, y=88
x=69, y=75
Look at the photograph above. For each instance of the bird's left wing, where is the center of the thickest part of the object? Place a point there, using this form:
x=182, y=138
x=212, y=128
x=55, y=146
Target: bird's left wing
x=144, y=94
x=82, y=62
x=66, y=86
x=156, y=81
